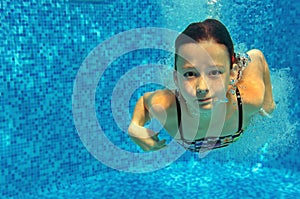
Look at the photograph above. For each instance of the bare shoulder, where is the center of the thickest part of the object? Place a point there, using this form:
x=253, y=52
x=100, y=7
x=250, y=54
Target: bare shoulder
x=254, y=70
x=252, y=85
x=256, y=53
x=159, y=100
x=256, y=56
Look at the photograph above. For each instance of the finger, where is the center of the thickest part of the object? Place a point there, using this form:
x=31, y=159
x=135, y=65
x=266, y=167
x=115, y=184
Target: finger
x=155, y=137
x=164, y=146
x=158, y=147
x=160, y=144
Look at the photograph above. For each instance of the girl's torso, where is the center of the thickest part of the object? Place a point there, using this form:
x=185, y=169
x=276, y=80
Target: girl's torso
x=251, y=87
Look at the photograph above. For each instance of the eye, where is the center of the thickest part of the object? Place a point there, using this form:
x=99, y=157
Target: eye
x=190, y=74
x=215, y=73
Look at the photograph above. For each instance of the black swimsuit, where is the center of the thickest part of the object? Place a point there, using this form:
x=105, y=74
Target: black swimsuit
x=211, y=142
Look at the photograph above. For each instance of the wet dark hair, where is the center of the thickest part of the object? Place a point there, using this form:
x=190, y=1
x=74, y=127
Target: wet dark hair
x=210, y=29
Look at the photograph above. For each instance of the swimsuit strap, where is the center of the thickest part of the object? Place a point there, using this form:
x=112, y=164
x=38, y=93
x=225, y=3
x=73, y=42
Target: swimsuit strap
x=240, y=107
x=178, y=114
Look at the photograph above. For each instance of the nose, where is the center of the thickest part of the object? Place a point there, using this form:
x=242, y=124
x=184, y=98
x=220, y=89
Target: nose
x=201, y=88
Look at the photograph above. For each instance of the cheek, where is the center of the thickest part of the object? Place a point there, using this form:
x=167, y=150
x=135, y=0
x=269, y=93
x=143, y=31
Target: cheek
x=218, y=86
x=186, y=88
x=220, y=91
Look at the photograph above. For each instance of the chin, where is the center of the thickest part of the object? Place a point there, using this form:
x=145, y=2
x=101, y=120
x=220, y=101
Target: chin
x=205, y=107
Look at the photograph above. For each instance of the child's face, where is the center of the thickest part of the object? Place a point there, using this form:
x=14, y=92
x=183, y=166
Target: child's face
x=203, y=66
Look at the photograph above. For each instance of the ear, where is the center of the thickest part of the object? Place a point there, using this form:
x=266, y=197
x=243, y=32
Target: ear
x=175, y=78
x=234, y=71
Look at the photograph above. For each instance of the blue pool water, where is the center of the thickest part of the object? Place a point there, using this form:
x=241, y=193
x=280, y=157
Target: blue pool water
x=43, y=153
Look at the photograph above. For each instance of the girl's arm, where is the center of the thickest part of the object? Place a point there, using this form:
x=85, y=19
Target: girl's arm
x=268, y=103
x=145, y=138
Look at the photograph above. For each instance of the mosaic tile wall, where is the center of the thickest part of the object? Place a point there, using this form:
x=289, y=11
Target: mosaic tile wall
x=43, y=44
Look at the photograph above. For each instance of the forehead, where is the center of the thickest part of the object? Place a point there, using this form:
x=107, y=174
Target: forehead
x=207, y=52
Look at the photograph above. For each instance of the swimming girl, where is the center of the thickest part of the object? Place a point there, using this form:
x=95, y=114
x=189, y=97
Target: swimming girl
x=218, y=92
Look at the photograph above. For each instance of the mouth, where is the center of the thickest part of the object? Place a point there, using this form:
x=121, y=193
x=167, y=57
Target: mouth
x=204, y=100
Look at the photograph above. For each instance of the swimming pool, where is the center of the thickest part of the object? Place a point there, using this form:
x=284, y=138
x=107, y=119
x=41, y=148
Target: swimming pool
x=44, y=44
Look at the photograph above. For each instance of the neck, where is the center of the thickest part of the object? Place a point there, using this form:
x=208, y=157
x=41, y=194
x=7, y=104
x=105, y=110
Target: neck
x=210, y=121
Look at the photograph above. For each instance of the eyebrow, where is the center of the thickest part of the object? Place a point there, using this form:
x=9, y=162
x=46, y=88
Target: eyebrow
x=188, y=66
x=218, y=65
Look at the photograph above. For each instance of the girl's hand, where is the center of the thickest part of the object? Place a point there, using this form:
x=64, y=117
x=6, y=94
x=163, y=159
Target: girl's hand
x=151, y=143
